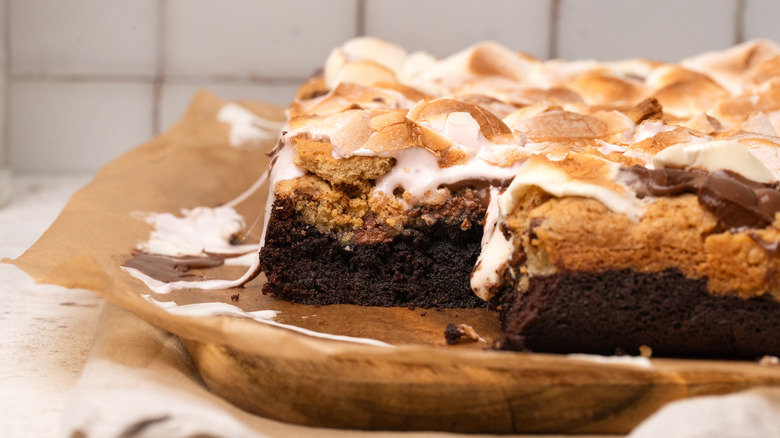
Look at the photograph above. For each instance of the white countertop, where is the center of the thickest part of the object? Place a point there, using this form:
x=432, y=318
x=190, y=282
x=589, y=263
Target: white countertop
x=46, y=332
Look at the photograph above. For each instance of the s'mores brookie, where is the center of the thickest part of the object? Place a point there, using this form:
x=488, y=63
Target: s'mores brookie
x=599, y=206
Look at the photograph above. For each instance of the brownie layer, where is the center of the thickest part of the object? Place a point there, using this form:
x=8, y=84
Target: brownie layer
x=613, y=311
x=425, y=266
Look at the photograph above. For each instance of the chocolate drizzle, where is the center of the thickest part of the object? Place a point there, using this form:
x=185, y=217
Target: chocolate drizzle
x=169, y=269
x=737, y=202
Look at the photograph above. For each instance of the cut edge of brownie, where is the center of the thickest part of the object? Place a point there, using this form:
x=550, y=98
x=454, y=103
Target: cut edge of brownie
x=622, y=310
x=423, y=266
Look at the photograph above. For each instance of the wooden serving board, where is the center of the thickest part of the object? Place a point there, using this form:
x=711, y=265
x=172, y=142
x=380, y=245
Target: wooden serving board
x=433, y=388
x=418, y=383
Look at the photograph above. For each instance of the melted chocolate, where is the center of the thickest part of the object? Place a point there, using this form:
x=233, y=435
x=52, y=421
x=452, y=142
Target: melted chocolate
x=770, y=247
x=737, y=202
x=170, y=269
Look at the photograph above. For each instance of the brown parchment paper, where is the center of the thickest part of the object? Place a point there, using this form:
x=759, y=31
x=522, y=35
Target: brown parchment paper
x=193, y=165
x=422, y=384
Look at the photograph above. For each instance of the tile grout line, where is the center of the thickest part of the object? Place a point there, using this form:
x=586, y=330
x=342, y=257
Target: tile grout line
x=739, y=21
x=360, y=24
x=157, y=83
x=555, y=12
x=150, y=79
x=5, y=138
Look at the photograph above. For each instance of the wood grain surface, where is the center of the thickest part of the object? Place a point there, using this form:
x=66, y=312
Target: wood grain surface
x=430, y=388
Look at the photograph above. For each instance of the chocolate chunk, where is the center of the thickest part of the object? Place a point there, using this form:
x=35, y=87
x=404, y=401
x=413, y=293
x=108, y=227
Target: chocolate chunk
x=736, y=201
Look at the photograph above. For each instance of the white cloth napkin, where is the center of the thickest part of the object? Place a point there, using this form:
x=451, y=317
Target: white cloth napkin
x=139, y=382
x=753, y=413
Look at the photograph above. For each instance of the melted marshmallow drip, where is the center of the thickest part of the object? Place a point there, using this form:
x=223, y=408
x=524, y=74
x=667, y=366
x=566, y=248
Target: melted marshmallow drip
x=282, y=168
x=637, y=361
x=204, y=229
x=496, y=249
x=262, y=316
x=494, y=255
x=248, y=192
x=491, y=217
x=210, y=230
x=200, y=230
x=245, y=127
x=211, y=309
x=247, y=259
x=417, y=171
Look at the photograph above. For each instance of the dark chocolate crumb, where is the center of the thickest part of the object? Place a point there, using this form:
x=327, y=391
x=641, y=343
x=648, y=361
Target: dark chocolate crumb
x=236, y=239
x=452, y=334
x=461, y=333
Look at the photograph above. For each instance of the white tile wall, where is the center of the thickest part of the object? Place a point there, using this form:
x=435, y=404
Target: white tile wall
x=254, y=38
x=111, y=37
x=91, y=78
x=76, y=126
x=176, y=95
x=666, y=30
x=5, y=159
x=442, y=27
x=762, y=19
x=3, y=29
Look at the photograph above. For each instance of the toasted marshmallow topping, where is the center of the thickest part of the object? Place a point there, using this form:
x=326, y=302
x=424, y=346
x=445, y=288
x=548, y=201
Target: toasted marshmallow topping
x=418, y=173
x=653, y=136
x=437, y=142
x=736, y=67
x=364, y=61
x=715, y=155
x=491, y=114
x=766, y=149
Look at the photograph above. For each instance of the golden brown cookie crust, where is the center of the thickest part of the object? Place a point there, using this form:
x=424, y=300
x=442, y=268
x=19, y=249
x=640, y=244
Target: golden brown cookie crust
x=674, y=233
x=317, y=157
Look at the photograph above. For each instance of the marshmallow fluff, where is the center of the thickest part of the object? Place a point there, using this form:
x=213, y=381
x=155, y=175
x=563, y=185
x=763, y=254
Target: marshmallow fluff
x=245, y=127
